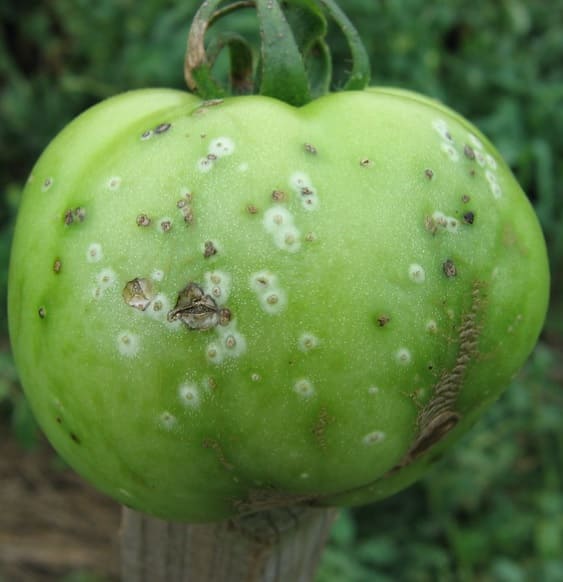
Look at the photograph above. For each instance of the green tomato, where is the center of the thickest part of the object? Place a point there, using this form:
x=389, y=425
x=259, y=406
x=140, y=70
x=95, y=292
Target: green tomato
x=227, y=306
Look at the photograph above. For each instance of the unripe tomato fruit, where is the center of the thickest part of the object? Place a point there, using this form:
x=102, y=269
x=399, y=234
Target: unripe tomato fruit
x=220, y=307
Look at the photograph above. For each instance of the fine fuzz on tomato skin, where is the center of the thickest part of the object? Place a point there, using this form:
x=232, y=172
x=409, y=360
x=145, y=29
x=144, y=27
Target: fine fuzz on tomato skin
x=219, y=307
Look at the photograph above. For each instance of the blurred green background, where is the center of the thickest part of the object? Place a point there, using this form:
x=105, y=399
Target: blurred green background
x=493, y=510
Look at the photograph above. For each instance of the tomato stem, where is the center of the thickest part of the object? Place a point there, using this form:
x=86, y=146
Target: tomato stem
x=294, y=63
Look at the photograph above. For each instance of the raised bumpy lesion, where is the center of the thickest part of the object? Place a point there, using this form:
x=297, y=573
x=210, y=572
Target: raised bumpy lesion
x=440, y=415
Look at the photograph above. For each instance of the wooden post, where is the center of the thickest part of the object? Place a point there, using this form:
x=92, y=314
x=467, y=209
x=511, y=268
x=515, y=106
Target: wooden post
x=280, y=545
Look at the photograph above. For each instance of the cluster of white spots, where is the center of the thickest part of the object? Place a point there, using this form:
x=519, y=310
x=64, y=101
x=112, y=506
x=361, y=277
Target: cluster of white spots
x=403, y=356
x=217, y=285
x=475, y=141
x=114, y=183
x=167, y=420
x=431, y=326
x=495, y=187
x=486, y=160
x=417, y=273
x=278, y=221
x=448, y=144
x=105, y=279
x=189, y=396
x=47, y=184
x=94, y=253
x=271, y=296
x=302, y=185
x=219, y=147
x=373, y=438
x=373, y=390
x=304, y=388
x=491, y=162
x=230, y=344
x=448, y=223
x=307, y=342
x=128, y=344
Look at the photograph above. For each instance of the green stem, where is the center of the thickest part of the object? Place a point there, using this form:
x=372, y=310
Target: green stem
x=295, y=63
x=283, y=74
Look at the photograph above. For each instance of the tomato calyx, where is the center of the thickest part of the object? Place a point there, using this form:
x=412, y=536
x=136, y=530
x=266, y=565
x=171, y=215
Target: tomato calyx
x=294, y=63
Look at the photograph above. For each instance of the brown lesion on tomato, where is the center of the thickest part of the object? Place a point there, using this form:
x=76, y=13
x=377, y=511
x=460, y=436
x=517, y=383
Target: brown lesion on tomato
x=138, y=293
x=439, y=416
x=216, y=447
x=209, y=249
x=383, y=320
x=279, y=196
x=74, y=215
x=320, y=426
x=267, y=499
x=198, y=310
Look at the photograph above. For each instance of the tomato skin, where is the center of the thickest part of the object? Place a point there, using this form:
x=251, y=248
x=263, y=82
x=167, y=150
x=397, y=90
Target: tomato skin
x=217, y=306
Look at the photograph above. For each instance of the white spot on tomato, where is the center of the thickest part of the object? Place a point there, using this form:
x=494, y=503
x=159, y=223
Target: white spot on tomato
x=114, y=182
x=403, y=356
x=304, y=388
x=47, y=184
x=167, y=420
x=221, y=147
x=94, y=253
x=189, y=395
x=308, y=342
x=417, y=273
x=128, y=344
x=373, y=438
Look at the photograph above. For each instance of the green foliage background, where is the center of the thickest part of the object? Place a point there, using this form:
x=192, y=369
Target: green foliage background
x=493, y=510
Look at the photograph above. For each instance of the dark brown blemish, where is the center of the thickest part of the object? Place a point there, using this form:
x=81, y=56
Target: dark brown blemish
x=197, y=310
x=439, y=416
x=42, y=312
x=465, y=198
x=138, y=293
x=322, y=422
x=166, y=226
x=449, y=268
x=57, y=266
x=209, y=249
x=73, y=215
x=75, y=438
x=278, y=196
x=383, y=320
x=429, y=173
x=469, y=152
x=310, y=149
x=216, y=447
x=143, y=220
x=251, y=209
x=469, y=217
x=162, y=128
